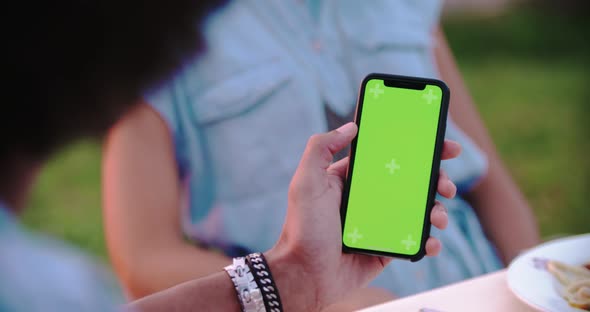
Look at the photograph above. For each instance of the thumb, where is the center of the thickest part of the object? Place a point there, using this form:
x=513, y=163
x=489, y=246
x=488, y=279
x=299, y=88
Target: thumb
x=321, y=148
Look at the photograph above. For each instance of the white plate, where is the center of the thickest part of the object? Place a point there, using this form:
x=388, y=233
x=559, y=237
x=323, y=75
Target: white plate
x=537, y=287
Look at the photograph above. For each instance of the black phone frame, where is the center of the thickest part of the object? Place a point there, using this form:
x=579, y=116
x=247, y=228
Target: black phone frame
x=409, y=82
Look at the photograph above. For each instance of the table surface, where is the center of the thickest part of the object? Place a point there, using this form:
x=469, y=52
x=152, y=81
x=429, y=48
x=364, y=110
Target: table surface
x=485, y=293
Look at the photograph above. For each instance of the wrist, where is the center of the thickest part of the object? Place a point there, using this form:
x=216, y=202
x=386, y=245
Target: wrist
x=298, y=292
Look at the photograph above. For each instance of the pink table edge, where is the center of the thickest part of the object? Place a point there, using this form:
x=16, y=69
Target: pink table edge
x=489, y=292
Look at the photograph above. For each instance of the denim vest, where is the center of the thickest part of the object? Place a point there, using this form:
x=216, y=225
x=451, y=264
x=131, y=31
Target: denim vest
x=242, y=113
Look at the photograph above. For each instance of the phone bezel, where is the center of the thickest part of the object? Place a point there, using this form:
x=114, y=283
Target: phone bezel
x=434, y=174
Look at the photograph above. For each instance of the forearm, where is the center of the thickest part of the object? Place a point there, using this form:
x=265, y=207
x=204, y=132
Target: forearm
x=504, y=213
x=160, y=268
x=216, y=291
x=212, y=293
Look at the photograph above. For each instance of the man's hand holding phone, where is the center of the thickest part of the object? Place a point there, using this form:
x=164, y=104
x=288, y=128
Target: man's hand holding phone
x=308, y=259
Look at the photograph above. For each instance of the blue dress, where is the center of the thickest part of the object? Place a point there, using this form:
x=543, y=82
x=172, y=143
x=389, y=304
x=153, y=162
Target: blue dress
x=241, y=116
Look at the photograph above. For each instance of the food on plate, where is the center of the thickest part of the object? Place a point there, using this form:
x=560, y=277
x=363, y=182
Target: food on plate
x=575, y=281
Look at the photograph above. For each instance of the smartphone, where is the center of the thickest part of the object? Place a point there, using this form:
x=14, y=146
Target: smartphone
x=394, y=164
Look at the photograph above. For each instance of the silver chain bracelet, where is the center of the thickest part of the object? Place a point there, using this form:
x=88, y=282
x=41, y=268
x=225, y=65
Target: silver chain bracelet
x=249, y=294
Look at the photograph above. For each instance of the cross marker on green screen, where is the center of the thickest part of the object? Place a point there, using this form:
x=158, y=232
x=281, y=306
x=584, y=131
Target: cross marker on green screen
x=409, y=242
x=355, y=236
x=392, y=166
x=429, y=97
x=376, y=90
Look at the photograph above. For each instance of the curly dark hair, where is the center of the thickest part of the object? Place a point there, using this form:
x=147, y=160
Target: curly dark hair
x=74, y=66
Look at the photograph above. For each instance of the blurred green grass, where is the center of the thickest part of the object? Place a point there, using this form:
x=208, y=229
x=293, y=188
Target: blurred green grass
x=528, y=73
x=66, y=201
x=527, y=70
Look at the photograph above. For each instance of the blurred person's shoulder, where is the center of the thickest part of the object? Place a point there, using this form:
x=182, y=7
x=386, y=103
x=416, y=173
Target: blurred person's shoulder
x=42, y=274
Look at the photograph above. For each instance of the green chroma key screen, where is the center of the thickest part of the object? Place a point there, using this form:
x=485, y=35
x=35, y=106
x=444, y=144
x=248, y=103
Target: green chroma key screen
x=392, y=166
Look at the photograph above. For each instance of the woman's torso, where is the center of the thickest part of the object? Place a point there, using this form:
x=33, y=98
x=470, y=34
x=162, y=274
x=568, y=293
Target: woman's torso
x=274, y=73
